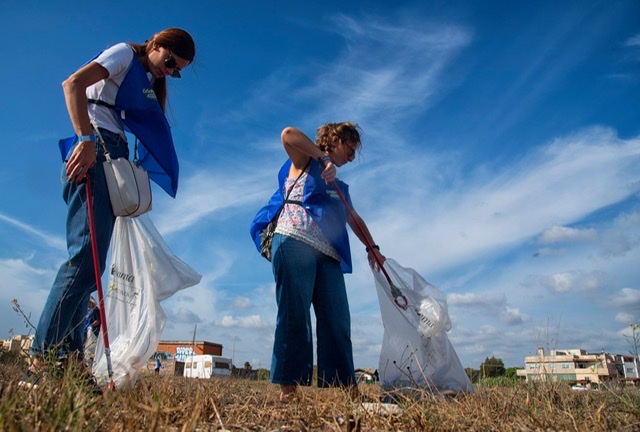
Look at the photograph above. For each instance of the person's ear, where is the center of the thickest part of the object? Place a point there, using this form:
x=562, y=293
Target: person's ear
x=335, y=141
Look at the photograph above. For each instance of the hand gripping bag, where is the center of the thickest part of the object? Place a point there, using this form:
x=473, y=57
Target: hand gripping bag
x=416, y=357
x=143, y=272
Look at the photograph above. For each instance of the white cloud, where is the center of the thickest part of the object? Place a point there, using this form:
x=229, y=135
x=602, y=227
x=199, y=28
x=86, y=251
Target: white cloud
x=242, y=302
x=628, y=298
x=496, y=208
x=628, y=332
x=633, y=41
x=625, y=318
x=387, y=70
x=20, y=272
x=27, y=284
x=250, y=322
x=384, y=73
x=183, y=316
x=623, y=235
x=556, y=234
x=494, y=304
x=570, y=281
x=512, y=316
x=52, y=241
x=470, y=299
x=549, y=252
x=204, y=194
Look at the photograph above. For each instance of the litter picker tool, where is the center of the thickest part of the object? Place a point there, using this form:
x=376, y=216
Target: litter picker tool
x=398, y=298
x=96, y=268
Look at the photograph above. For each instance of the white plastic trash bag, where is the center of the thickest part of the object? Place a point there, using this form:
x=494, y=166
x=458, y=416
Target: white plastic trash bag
x=416, y=354
x=143, y=272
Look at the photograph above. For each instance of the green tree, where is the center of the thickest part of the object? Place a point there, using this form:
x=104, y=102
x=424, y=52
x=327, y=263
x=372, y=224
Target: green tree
x=263, y=374
x=511, y=373
x=492, y=367
x=247, y=366
x=473, y=374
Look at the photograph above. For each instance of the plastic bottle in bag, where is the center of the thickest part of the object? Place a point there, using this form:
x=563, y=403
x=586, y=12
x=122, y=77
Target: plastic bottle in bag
x=434, y=319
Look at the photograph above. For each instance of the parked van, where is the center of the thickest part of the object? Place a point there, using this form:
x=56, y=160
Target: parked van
x=206, y=366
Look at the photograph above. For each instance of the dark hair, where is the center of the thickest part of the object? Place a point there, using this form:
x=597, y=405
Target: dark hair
x=346, y=132
x=179, y=42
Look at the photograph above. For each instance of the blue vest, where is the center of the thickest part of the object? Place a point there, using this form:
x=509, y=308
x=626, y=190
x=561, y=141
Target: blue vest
x=138, y=109
x=321, y=202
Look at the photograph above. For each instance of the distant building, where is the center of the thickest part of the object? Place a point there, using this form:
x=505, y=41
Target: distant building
x=367, y=375
x=18, y=344
x=579, y=366
x=173, y=354
x=180, y=350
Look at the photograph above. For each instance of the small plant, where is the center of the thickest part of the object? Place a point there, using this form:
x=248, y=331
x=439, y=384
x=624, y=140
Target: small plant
x=634, y=341
x=26, y=317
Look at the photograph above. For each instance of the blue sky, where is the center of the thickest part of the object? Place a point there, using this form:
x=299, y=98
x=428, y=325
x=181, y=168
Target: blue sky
x=500, y=159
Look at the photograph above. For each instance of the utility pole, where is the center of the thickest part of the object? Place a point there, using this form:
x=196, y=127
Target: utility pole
x=233, y=355
x=193, y=347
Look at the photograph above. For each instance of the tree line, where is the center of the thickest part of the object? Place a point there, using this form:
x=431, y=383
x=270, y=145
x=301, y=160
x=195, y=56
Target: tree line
x=491, y=368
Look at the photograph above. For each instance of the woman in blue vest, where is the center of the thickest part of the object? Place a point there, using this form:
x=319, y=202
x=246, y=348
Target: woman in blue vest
x=126, y=77
x=310, y=253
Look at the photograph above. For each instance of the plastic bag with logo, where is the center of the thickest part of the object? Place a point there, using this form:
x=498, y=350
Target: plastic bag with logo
x=416, y=358
x=143, y=272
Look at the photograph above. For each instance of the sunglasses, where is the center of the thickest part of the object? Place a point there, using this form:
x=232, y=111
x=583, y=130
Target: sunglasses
x=351, y=152
x=171, y=63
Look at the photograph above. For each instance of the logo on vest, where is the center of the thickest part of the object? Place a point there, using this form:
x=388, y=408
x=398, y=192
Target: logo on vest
x=150, y=94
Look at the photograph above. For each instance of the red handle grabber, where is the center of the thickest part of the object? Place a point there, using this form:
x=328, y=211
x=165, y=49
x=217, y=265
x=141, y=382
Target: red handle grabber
x=398, y=298
x=96, y=269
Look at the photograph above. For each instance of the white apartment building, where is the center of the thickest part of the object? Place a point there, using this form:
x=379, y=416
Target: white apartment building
x=579, y=366
x=18, y=343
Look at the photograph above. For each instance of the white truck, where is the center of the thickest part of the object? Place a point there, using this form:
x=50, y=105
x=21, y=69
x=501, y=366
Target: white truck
x=206, y=366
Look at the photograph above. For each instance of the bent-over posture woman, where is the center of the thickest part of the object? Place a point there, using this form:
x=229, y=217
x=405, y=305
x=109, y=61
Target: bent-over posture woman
x=310, y=254
x=126, y=77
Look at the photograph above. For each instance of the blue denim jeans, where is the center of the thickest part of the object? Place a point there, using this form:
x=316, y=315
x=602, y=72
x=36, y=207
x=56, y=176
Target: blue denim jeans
x=61, y=324
x=304, y=277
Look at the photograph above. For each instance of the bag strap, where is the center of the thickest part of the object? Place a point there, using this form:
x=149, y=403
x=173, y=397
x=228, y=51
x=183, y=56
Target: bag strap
x=101, y=141
x=101, y=103
x=106, y=152
x=135, y=152
x=286, y=198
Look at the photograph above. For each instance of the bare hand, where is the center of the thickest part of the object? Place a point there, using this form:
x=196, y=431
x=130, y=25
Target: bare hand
x=373, y=262
x=81, y=160
x=329, y=173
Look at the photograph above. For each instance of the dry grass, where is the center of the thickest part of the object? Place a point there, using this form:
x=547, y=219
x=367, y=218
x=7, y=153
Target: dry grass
x=181, y=404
